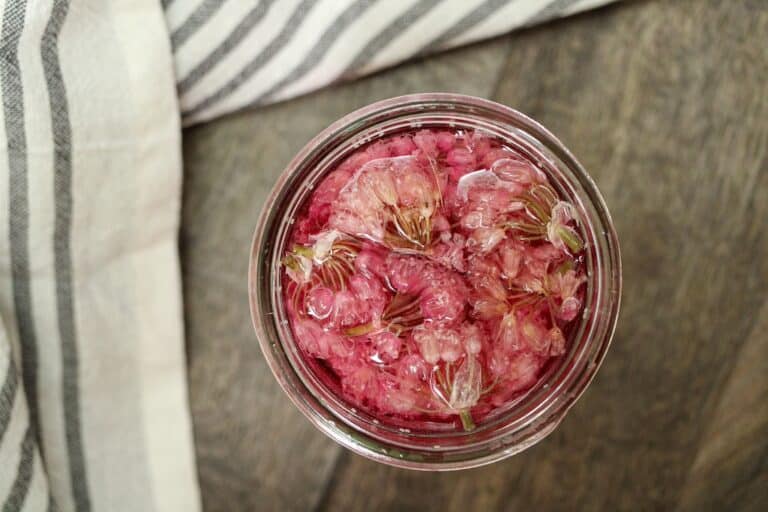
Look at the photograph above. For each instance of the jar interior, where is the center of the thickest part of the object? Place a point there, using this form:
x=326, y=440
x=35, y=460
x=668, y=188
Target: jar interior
x=535, y=411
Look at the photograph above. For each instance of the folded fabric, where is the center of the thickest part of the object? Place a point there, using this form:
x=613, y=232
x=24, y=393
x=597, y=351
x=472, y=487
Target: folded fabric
x=93, y=404
x=93, y=397
x=230, y=55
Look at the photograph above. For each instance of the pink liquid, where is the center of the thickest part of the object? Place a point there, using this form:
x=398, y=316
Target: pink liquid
x=432, y=276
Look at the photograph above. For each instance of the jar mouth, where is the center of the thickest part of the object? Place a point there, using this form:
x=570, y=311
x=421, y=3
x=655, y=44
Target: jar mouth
x=507, y=430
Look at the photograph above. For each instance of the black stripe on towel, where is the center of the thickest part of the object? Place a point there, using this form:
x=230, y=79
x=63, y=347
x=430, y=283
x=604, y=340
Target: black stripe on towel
x=51, y=503
x=15, y=500
x=18, y=218
x=472, y=18
x=192, y=24
x=7, y=397
x=550, y=11
x=65, y=300
x=289, y=30
x=234, y=38
x=318, y=51
x=390, y=32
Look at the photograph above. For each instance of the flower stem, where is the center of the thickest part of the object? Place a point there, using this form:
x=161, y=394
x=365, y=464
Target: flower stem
x=466, y=420
x=571, y=239
x=304, y=251
x=360, y=330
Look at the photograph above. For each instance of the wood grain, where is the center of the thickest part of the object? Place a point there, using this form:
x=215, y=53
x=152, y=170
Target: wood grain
x=666, y=105
x=730, y=470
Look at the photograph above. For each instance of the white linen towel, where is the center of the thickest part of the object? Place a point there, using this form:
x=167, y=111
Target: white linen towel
x=90, y=293
x=93, y=399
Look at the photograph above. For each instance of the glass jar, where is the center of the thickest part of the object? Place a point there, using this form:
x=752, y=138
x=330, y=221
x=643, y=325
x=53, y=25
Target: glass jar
x=534, y=415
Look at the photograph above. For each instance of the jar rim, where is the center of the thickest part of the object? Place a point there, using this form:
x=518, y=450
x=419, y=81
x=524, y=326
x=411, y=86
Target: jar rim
x=372, y=440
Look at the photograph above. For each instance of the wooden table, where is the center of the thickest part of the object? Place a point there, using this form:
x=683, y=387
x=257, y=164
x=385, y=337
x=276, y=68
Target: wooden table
x=666, y=104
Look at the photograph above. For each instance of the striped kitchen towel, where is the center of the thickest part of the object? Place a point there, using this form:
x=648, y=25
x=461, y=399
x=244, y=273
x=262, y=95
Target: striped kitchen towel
x=233, y=54
x=93, y=397
x=93, y=404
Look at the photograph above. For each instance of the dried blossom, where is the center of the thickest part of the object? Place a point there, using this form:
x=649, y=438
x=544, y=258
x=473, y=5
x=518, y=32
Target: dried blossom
x=392, y=201
x=458, y=389
x=546, y=218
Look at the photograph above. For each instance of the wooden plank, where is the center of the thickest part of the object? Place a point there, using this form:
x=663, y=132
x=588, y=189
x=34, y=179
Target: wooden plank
x=730, y=471
x=255, y=451
x=665, y=103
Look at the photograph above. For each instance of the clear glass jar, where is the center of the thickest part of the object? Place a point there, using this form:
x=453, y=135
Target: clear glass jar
x=530, y=418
